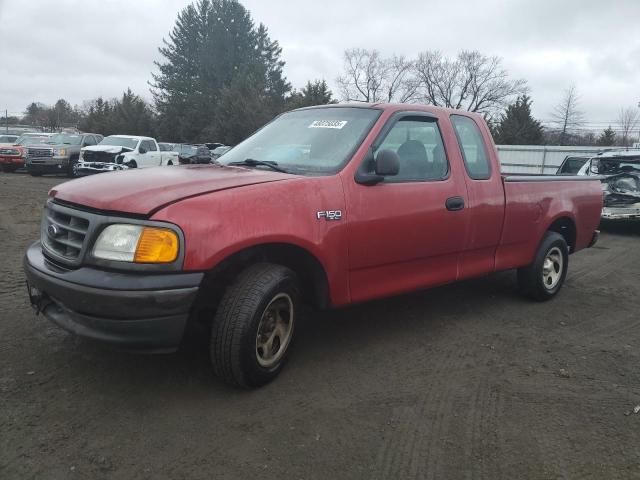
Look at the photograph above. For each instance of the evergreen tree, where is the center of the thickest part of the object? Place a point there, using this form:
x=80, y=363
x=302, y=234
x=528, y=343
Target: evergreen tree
x=517, y=126
x=314, y=93
x=211, y=54
x=607, y=138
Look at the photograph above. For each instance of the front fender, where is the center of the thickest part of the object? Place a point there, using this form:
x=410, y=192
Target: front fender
x=219, y=224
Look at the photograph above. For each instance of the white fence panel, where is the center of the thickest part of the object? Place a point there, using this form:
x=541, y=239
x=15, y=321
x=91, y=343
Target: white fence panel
x=536, y=159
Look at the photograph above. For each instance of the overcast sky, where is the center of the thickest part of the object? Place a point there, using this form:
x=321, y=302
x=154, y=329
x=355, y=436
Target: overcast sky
x=79, y=50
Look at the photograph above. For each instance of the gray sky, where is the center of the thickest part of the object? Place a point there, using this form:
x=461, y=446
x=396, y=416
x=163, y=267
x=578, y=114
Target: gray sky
x=79, y=50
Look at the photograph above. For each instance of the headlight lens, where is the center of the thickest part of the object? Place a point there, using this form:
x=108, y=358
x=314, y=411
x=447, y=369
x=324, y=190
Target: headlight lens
x=137, y=243
x=81, y=156
x=60, y=152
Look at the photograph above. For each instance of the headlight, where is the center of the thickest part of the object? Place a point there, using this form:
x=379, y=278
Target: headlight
x=81, y=157
x=137, y=243
x=60, y=152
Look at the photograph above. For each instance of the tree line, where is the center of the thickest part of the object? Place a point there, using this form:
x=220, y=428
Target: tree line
x=222, y=76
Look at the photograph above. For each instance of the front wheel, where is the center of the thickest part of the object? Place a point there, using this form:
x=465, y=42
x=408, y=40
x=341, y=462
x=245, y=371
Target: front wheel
x=72, y=169
x=254, y=325
x=543, y=279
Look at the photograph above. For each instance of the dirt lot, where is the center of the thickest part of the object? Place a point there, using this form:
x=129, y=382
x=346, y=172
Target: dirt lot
x=467, y=381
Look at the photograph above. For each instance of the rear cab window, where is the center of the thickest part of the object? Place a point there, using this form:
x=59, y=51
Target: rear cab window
x=473, y=148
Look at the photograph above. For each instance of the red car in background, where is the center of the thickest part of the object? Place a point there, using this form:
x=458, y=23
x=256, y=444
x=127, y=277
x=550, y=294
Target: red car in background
x=12, y=156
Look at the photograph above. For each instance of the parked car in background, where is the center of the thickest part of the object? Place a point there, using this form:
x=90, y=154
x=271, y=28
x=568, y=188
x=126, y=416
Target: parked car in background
x=8, y=139
x=191, y=154
x=619, y=172
x=369, y=201
x=213, y=146
x=59, y=153
x=12, y=157
x=218, y=152
x=572, y=165
x=120, y=152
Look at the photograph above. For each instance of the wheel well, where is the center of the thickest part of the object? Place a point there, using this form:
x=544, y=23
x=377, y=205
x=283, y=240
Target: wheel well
x=567, y=228
x=313, y=278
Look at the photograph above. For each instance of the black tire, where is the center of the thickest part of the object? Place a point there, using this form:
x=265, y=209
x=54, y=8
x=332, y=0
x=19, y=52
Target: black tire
x=170, y=163
x=132, y=164
x=532, y=280
x=34, y=173
x=234, y=346
x=9, y=168
x=71, y=173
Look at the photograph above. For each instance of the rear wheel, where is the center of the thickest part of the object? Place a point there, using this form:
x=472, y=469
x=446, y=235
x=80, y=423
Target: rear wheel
x=254, y=325
x=543, y=279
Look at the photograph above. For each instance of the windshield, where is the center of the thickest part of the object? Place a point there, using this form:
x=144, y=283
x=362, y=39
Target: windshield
x=8, y=138
x=31, y=139
x=120, y=142
x=312, y=141
x=614, y=166
x=65, y=139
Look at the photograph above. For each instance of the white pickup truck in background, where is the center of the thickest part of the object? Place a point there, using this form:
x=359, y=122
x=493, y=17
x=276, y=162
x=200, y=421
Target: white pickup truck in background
x=120, y=152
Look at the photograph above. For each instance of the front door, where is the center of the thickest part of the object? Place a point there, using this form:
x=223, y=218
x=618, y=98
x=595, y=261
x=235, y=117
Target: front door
x=408, y=231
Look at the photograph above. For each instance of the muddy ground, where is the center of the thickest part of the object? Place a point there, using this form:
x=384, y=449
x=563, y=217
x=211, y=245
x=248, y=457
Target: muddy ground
x=467, y=381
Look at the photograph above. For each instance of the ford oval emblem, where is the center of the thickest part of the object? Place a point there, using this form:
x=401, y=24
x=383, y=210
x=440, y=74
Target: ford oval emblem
x=53, y=231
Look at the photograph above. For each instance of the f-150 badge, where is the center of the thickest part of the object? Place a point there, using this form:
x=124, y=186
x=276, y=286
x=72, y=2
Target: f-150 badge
x=329, y=215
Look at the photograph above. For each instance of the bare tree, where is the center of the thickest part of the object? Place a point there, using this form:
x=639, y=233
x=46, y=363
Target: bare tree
x=628, y=118
x=368, y=77
x=567, y=114
x=471, y=81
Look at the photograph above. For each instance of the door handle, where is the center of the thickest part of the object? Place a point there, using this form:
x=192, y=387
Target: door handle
x=454, y=203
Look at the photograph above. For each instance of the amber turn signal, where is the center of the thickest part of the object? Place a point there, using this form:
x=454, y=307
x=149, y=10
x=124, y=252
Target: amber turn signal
x=157, y=245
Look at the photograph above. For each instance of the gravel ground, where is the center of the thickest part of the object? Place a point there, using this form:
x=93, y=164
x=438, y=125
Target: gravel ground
x=467, y=381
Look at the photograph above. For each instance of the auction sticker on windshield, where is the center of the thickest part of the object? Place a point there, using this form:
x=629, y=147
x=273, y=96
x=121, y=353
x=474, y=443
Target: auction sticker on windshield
x=328, y=124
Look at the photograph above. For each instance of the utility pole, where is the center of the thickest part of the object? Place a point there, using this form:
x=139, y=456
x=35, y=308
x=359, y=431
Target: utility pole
x=6, y=120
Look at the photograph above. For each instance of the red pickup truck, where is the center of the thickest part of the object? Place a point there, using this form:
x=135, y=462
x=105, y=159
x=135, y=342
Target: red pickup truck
x=326, y=206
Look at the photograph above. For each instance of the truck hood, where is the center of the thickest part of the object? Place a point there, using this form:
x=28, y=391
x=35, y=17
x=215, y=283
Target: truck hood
x=107, y=148
x=145, y=191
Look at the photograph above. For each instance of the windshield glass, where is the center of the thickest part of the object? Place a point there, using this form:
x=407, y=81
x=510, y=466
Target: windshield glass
x=120, y=142
x=8, y=138
x=31, y=139
x=613, y=166
x=65, y=139
x=313, y=141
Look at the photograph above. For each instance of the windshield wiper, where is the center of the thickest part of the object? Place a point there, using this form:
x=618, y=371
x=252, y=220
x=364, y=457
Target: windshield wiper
x=250, y=162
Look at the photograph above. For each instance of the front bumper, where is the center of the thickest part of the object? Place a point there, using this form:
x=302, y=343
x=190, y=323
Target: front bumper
x=146, y=312
x=17, y=161
x=621, y=213
x=48, y=164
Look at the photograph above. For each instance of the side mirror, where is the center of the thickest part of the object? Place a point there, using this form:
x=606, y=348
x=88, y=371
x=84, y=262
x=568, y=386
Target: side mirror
x=142, y=150
x=387, y=163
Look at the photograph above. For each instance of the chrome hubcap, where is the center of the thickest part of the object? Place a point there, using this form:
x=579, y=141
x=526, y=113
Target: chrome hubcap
x=552, y=268
x=274, y=330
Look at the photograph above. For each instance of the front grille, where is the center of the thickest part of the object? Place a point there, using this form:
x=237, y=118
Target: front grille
x=102, y=157
x=40, y=152
x=64, y=232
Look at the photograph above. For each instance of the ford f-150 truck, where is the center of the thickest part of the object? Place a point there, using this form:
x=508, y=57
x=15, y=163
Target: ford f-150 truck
x=327, y=206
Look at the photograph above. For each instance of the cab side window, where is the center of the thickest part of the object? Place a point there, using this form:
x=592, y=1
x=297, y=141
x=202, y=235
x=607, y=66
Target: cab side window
x=149, y=146
x=89, y=140
x=418, y=143
x=474, y=150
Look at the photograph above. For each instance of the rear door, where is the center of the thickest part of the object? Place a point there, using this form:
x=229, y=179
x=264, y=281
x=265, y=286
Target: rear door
x=407, y=232
x=151, y=158
x=485, y=195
